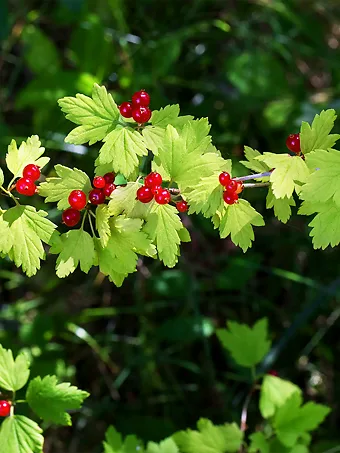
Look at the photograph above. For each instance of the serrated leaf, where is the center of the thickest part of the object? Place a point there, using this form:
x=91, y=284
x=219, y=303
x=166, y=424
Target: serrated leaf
x=258, y=443
x=288, y=174
x=123, y=147
x=274, y=393
x=209, y=438
x=153, y=138
x=28, y=229
x=166, y=446
x=247, y=345
x=50, y=400
x=76, y=247
x=252, y=162
x=124, y=201
x=2, y=177
x=114, y=443
x=6, y=238
x=282, y=206
x=292, y=420
x=13, y=373
x=102, y=224
x=96, y=116
x=238, y=221
x=19, y=434
x=317, y=136
x=29, y=152
x=58, y=189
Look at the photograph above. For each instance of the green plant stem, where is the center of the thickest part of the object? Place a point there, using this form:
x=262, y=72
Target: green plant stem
x=256, y=185
x=254, y=176
x=91, y=226
x=7, y=192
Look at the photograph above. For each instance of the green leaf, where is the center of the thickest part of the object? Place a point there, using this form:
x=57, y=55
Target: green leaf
x=2, y=177
x=153, y=138
x=96, y=116
x=114, y=443
x=289, y=173
x=258, y=443
x=19, y=434
x=28, y=229
x=76, y=247
x=293, y=420
x=163, y=226
x=247, y=345
x=50, y=400
x=123, y=147
x=58, y=189
x=6, y=238
x=29, y=152
x=252, y=162
x=166, y=446
x=13, y=373
x=124, y=201
x=277, y=447
x=209, y=438
x=282, y=206
x=274, y=393
x=102, y=223
x=169, y=115
x=237, y=220
x=317, y=136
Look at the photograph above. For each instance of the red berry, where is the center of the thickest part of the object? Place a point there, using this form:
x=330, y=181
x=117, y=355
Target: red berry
x=71, y=217
x=99, y=182
x=109, y=177
x=156, y=189
x=141, y=98
x=162, y=196
x=239, y=187
x=182, y=206
x=108, y=189
x=231, y=186
x=144, y=194
x=141, y=114
x=224, y=178
x=125, y=109
x=230, y=197
x=5, y=408
x=77, y=199
x=273, y=373
x=153, y=179
x=293, y=143
x=97, y=196
x=26, y=187
x=32, y=172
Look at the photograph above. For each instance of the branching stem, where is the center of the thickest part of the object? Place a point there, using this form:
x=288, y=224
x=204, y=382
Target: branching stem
x=254, y=176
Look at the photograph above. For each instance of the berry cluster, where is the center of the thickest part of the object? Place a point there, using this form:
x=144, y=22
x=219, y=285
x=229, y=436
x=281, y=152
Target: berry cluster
x=182, y=206
x=103, y=187
x=293, y=143
x=232, y=188
x=5, y=408
x=138, y=108
x=153, y=189
x=26, y=184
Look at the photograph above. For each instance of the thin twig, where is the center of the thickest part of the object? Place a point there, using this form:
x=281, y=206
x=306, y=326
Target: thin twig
x=254, y=176
x=253, y=185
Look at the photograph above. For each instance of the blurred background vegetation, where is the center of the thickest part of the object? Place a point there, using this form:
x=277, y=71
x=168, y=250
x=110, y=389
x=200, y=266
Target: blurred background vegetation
x=147, y=352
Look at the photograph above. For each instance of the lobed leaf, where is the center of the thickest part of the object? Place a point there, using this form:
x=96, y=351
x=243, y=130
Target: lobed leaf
x=14, y=374
x=317, y=136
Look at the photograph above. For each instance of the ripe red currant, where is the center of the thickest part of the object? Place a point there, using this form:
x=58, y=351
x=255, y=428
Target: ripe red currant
x=77, y=199
x=99, y=182
x=32, y=172
x=141, y=98
x=156, y=189
x=230, y=197
x=182, y=206
x=144, y=194
x=141, y=114
x=162, y=196
x=5, y=408
x=26, y=187
x=108, y=189
x=231, y=186
x=125, y=109
x=224, y=178
x=153, y=179
x=293, y=143
x=70, y=217
x=97, y=196
x=109, y=177
x=239, y=187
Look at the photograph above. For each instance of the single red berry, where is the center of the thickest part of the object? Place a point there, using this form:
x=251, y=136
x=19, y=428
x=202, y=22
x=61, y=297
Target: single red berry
x=141, y=114
x=144, y=194
x=26, y=187
x=230, y=197
x=273, y=373
x=70, y=217
x=109, y=177
x=77, y=199
x=125, y=109
x=99, y=182
x=162, y=196
x=97, y=196
x=32, y=172
x=224, y=178
x=156, y=189
x=182, y=206
x=231, y=186
x=293, y=143
x=141, y=98
x=108, y=189
x=5, y=408
x=239, y=187
x=153, y=179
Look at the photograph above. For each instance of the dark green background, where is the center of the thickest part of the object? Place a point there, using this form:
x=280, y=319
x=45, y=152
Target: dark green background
x=147, y=352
